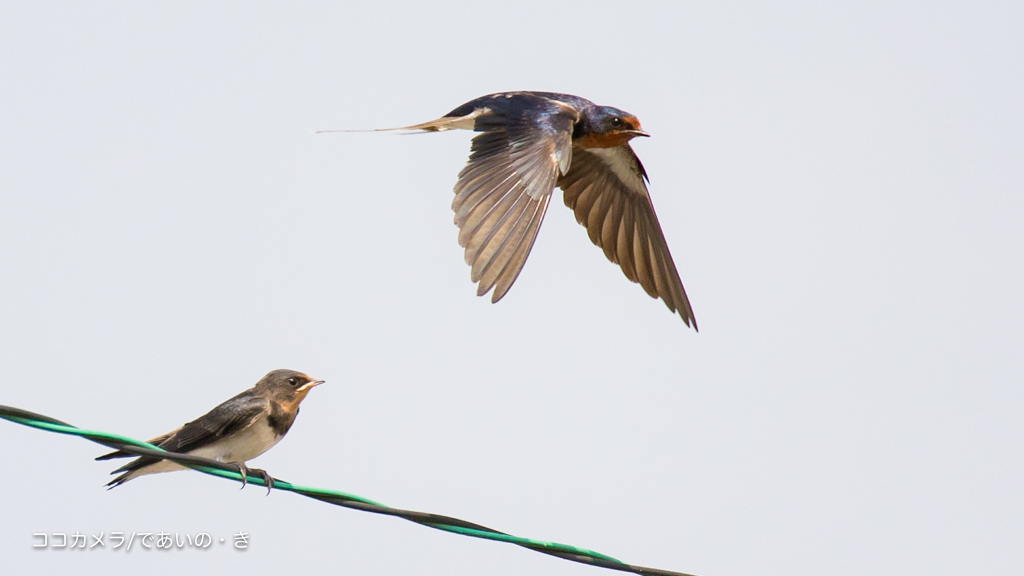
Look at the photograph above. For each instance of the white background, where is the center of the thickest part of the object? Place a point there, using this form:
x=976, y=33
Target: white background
x=840, y=183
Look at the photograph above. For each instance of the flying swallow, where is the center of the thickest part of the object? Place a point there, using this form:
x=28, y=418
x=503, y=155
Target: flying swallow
x=238, y=430
x=532, y=142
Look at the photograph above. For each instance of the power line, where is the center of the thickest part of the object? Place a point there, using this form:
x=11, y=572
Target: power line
x=437, y=521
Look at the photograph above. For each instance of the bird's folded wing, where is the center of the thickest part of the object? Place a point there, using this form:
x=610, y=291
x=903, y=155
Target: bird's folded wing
x=503, y=192
x=605, y=188
x=236, y=414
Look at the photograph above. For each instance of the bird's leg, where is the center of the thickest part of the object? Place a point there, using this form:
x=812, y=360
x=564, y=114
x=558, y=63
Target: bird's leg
x=244, y=472
x=268, y=480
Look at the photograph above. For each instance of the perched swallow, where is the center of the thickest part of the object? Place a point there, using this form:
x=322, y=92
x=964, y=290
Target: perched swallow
x=236, y=431
x=532, y=142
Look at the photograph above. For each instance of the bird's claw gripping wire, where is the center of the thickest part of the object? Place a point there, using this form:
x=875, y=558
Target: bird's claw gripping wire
x=268, y=480
x=245, y=471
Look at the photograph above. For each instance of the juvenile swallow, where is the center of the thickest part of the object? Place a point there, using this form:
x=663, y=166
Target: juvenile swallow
x=532, y=142
x=238, y=430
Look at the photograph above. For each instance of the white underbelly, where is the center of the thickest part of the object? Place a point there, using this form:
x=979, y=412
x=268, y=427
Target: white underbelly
x=241, y=446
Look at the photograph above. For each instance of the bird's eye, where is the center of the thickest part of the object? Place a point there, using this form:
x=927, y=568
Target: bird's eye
x=616, y=122
x=293, y=381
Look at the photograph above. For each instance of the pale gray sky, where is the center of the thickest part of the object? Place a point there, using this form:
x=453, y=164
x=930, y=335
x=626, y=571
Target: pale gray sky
x=840, y=183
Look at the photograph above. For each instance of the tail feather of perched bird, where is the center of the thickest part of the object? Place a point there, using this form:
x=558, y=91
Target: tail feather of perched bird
x=237, y=430
x=531, y=142
x=122, y=454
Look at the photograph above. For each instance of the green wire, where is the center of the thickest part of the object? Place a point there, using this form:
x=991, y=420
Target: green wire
x=588, y=556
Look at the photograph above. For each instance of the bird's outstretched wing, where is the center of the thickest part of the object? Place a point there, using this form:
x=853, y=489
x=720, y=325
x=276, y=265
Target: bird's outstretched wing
x=606, y=190
x=236, y=414
x=504, y=190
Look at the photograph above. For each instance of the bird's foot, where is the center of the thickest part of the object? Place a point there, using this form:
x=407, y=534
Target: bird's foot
x=244, y=471
x=268, y=480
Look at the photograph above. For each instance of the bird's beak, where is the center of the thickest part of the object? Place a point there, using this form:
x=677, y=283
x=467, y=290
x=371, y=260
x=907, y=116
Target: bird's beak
x=637, y=133
x=309, y=385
